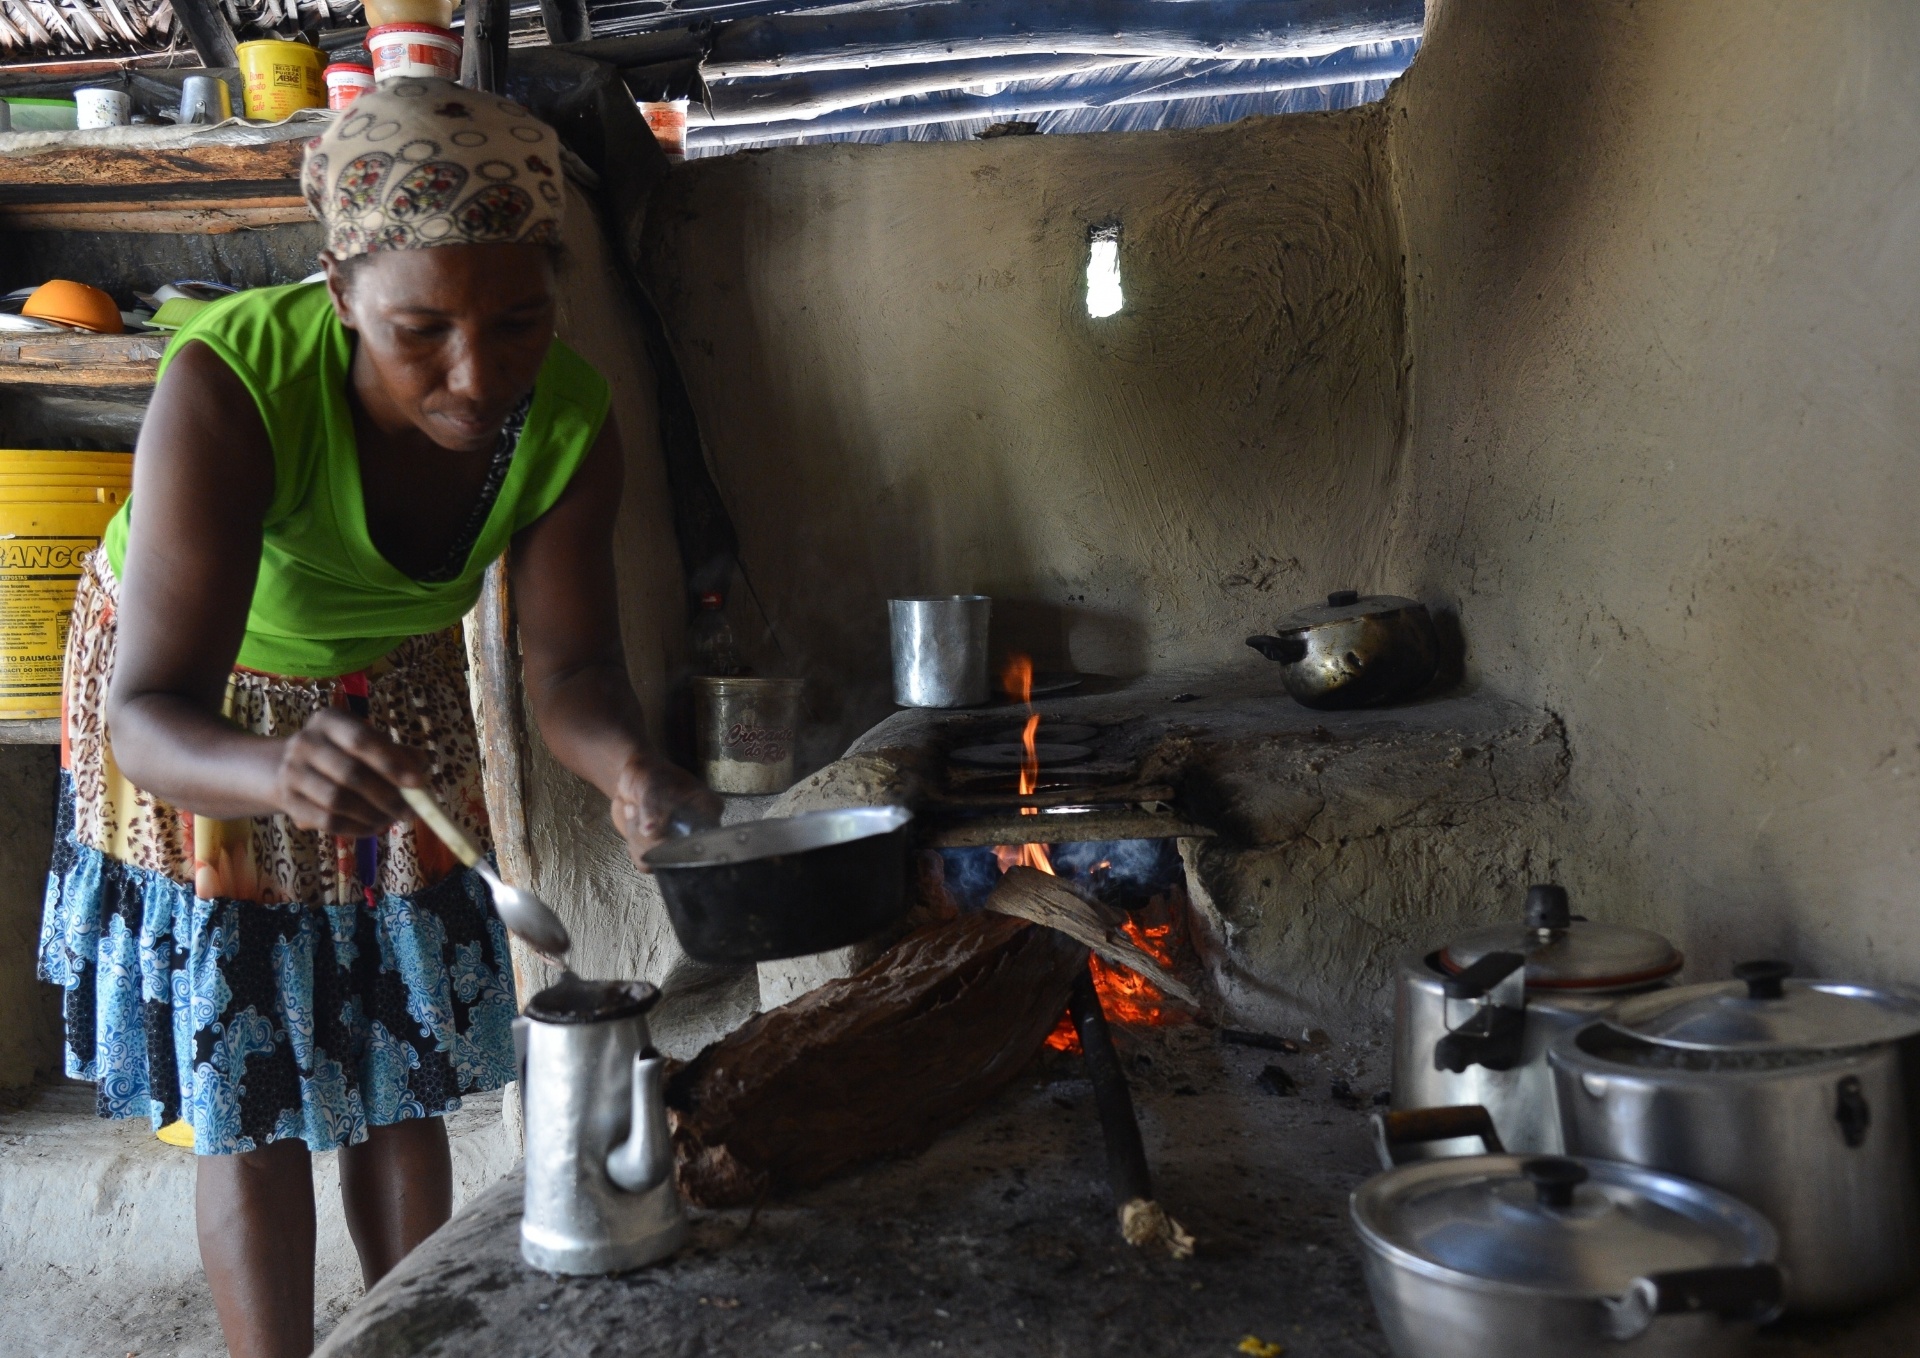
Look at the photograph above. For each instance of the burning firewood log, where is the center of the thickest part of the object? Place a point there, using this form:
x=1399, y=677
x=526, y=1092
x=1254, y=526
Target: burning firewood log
x=877, y=1064
x=1029, y=894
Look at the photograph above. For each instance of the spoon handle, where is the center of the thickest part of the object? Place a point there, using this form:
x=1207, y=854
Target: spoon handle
x=438, y=821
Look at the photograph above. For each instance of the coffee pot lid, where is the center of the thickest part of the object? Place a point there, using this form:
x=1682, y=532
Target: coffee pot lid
x=1566, y=1226
x=1760, y=1010
x=1565, y=953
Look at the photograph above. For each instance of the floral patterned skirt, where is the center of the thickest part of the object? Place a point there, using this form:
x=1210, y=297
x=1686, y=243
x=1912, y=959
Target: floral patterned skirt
x=257, y=980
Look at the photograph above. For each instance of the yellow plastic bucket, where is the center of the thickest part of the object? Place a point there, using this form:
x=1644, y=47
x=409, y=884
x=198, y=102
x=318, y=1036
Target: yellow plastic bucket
x=53, y=508
x=280, y=78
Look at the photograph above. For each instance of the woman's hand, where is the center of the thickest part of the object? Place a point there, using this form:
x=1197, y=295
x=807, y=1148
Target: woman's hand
x=339, y=776
x=652, y=794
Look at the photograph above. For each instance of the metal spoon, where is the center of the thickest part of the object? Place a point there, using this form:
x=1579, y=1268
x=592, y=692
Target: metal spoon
x=519, y=909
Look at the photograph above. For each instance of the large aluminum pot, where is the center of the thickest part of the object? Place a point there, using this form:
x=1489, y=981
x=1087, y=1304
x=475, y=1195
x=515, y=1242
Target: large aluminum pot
x=1473, y=1020
x=1795, y=1096
x=1488, y=1255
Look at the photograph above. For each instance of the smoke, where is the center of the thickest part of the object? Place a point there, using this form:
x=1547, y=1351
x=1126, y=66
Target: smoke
x=1124, y=873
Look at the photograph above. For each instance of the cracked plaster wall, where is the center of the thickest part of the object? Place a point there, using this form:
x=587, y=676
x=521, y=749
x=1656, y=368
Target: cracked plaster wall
x=1598, y=331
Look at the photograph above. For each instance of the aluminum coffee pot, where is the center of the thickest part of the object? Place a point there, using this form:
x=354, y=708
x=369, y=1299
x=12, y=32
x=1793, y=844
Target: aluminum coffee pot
x=600, y=1195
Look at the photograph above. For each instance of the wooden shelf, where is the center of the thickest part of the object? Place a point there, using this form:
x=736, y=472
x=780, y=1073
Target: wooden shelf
x=43, y=731
x=173, y=180
x=75, y=360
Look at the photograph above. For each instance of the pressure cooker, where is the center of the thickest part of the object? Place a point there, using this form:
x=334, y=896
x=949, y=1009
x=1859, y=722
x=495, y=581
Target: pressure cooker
x=1794, y=1096
x=1474, y=1019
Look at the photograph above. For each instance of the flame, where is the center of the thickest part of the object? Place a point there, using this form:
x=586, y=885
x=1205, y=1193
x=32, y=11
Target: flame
x=1017, y=678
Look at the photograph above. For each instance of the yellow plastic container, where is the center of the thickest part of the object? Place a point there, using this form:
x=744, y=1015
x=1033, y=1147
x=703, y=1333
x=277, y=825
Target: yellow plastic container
x=53, y=508
x=279, y=78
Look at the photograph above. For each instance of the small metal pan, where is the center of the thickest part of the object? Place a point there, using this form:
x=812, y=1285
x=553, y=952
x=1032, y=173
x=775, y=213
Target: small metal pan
x=785, y=888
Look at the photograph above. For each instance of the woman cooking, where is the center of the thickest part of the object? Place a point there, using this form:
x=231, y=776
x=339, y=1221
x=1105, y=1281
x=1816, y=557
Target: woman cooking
x=252, y=937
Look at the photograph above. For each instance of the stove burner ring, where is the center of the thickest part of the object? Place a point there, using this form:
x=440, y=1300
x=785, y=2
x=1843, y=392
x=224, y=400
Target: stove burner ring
x=1012, y=756
x=1062, y=733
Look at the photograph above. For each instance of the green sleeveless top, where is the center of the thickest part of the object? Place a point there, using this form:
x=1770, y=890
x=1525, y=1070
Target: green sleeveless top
x=326, y=601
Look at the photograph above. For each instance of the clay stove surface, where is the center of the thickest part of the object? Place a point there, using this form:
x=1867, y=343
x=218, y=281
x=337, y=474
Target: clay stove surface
x=999, y=1242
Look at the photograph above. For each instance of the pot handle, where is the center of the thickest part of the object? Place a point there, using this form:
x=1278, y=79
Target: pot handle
x=1482, y=976
x=1413, y=1126
x=1736, y=1292
x=1287, y=650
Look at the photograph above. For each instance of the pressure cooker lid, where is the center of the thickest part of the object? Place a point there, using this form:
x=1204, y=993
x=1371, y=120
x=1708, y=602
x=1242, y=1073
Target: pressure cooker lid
x=1584, y=1228
x=1342, y=605
x=1760, y=1010
x=1564, y=953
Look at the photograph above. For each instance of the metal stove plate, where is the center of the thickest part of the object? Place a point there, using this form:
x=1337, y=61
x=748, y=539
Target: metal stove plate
x=1012, y=756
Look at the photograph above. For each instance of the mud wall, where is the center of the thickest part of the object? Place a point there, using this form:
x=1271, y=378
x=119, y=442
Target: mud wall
x=1662, y=280
x=902, y=391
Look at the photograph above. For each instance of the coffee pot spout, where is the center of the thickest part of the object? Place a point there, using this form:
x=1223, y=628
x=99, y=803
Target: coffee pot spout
x=645, y=1159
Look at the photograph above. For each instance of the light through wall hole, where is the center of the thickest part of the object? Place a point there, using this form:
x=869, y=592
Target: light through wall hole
x=1103, y=270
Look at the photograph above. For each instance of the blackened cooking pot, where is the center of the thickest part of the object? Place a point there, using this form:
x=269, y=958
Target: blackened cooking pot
x=1354, y=651
x=785, y=887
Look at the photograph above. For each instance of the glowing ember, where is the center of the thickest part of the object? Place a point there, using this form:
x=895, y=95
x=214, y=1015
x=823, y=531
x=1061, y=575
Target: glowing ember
x=1125, y=995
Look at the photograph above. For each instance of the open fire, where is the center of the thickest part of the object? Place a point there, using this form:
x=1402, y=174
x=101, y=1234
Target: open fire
x=1125, y=995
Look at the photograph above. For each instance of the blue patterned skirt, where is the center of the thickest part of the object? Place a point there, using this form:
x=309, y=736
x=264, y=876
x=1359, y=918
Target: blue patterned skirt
x=256, y=980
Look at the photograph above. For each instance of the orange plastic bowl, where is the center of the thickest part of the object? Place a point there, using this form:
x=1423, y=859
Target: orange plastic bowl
x=74, y=304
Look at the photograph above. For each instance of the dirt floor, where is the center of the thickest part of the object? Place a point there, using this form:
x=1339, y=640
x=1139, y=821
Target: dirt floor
x=98, y=1256
x=998, y=1241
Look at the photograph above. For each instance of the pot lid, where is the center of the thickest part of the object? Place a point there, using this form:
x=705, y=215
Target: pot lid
x=1554, y=1224
x=1564, y=953
x=1760, y=1010
x=1342, y=605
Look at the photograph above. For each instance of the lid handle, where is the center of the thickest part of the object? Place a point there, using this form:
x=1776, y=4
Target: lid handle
x=1763, y=978
x=1343, y=598
x=1554, y=1177
x=1548, y=907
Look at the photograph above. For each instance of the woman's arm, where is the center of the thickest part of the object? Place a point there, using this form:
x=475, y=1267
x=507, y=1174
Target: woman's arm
x=566, y=608
x=203, y=479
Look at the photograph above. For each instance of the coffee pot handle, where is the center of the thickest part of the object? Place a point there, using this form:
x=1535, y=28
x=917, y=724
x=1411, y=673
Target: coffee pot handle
x=645, y=1159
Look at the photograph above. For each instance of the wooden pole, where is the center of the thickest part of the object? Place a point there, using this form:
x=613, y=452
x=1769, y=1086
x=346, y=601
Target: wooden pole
x=483, y=45
x=503, y=748
x=566, y=21
x=208, y=31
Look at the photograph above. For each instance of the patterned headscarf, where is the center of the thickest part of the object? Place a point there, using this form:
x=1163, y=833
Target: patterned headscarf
x=416, y=163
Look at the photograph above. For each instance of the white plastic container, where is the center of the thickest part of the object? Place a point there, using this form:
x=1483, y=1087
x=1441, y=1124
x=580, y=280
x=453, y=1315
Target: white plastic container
x=418, y=50
x=101, y=107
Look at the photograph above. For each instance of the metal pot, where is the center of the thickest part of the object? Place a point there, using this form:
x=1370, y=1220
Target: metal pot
x=1355, y=651
x=1473, y=1020
x=1796, y=1096
x=1482, y=1256
x=785, y=887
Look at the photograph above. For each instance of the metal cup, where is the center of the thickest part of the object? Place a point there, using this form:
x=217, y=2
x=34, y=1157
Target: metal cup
x=6, y=116
x=940, y=650
x=205, y=99
x=745, y=729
